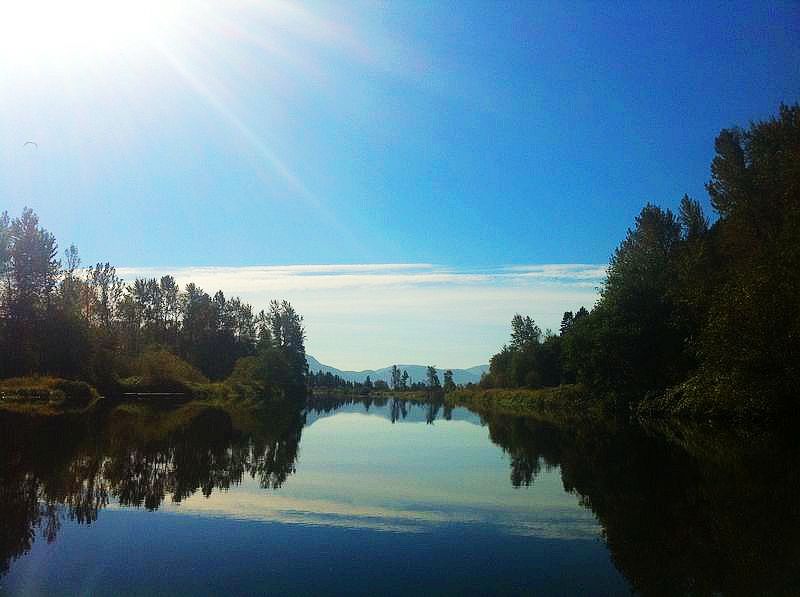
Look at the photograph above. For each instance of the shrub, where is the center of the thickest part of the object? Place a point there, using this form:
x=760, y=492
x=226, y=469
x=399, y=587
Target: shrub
x=158, y=365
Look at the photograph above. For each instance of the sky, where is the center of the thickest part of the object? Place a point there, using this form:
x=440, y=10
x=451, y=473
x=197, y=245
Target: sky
x=438, y=148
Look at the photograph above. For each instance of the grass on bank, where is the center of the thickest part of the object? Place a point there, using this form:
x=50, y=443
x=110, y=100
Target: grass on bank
x=571, y=398
x=45, y=395
x=694, y=401
x=155, y=371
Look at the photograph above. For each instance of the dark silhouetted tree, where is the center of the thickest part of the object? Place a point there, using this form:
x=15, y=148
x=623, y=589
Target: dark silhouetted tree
x=449, y=384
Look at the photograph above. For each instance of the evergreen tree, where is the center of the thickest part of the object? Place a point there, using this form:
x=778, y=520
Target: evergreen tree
x=395, y=378
x=449, y=384
x=433, y=378
x=694, y=223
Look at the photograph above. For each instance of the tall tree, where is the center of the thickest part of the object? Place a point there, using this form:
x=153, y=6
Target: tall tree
x=171, y=296
x=433, y=378
x=34, y=267
x=694, y=223
x=640, y=349
x=71, y=286
x=749, y=346
x=5, y=256
x=395, y=377
x=31, y=278
x=524, y=332
x=105, y=292
x=566, y=322
x=67, y=348
x=288, y=337
x=449, y=384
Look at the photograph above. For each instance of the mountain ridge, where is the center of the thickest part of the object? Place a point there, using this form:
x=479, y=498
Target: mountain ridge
x=416, y=372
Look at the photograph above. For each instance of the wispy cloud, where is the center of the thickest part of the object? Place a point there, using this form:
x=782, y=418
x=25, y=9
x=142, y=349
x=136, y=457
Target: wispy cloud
x=370, y=315
x=560, y=271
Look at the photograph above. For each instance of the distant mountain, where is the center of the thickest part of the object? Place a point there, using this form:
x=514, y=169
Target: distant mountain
x=416, y=372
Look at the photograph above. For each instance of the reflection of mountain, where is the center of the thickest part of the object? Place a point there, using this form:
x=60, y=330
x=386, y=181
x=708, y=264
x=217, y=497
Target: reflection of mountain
x=392, y=409
x=416, y=372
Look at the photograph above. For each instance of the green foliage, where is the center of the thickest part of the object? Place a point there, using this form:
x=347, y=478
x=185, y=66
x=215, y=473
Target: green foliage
x=528, y=361
x=449, y=384
x=571, y=399
x=245, y=370
x=749, y=343
x=693, y=222
x=30, y=273
x=287, y=339
x=524, y=332
x=76, y=391
x=396, y=378
x=157, y=365
x=5, y=246
x=47, y=391
x=91, y=325
x=692, y=319
x=433, y=378
x=633, y=345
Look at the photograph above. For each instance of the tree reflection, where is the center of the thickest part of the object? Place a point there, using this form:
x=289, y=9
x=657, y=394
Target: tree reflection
x=684, y=511
x=397, y=409
x=72, y=468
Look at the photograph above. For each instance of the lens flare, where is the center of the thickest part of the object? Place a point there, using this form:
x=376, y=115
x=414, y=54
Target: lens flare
x=36, y=32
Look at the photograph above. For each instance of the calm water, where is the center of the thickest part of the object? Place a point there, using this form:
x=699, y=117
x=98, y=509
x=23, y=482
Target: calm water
x=390, y=498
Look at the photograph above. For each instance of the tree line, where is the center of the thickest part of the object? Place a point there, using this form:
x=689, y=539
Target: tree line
x=59, y=319
x=702, y=315
x=398, y=382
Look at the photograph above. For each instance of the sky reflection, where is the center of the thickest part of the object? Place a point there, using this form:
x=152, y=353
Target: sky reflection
x=360, y=471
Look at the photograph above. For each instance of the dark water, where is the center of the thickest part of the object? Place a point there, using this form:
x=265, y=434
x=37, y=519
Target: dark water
x=390, y=498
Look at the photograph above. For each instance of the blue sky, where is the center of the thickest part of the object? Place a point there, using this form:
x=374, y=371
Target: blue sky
x=464, y=135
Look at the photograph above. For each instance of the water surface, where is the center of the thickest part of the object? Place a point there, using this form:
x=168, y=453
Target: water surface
x=384, y=497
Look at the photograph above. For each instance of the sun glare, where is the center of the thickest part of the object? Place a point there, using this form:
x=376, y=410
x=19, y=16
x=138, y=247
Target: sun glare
x=39, y=32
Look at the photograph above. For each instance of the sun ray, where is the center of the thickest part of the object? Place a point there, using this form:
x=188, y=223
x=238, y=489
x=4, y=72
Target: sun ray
x=262, y=149
x=106, y=59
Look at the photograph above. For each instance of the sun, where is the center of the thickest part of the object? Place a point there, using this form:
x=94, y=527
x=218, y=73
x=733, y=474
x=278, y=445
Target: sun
x=40, y=32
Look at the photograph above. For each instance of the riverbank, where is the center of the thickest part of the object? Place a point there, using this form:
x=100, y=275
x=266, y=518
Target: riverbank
x=701, y=399
x=53, y=396
x=572, y=399
x=46, y=395
x=692, y=402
